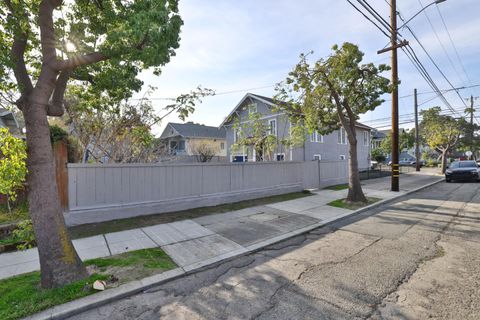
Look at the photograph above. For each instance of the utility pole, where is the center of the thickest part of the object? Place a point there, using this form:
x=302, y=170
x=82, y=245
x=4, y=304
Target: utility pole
x=394, y=45
x=417, y=140
x=471, y=124
x=471, y=110
x=395, y=168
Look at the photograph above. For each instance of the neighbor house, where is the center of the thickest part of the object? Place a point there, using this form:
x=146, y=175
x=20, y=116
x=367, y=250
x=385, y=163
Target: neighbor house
x=331, y=147
x=8, y=120
x=377, y=137
x=183, y=139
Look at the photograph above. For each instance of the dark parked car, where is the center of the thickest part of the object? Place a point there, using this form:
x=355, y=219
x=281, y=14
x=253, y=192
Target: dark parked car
x=462, y=170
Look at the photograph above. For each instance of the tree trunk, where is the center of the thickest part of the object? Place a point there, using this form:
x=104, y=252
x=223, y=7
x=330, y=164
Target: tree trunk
x=59, y=262
x=355, y=192
x=444, y=161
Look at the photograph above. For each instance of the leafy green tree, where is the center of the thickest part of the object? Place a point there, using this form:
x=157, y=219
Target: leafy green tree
x=441, y=132
x=331, y=94
x=45, y=44
x=406, y=140
x=12, y=164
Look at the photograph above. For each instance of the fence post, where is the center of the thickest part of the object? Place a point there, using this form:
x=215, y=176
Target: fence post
x=60, y=155
x=319, y=177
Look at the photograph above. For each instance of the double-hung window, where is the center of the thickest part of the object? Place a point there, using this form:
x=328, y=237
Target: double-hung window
x=342, y=139
x=316, y=137
x=366, y=137
x=236, y=135
x=272, y=127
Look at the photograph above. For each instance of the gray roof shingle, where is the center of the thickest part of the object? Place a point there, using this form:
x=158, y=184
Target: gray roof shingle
x=195, y=130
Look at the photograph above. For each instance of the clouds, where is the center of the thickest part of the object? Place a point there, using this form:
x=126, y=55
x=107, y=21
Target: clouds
x=230, y=45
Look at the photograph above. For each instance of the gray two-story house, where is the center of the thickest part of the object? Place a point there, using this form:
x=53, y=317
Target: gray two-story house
x=331, y=147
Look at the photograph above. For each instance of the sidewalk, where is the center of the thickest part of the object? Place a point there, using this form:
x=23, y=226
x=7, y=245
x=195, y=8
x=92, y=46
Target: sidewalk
x=201, y=241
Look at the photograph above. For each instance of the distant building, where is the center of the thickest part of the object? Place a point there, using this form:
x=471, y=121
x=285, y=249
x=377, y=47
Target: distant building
x=182, y=139
x=331, y=147
x=377, y=137
x=8, y=120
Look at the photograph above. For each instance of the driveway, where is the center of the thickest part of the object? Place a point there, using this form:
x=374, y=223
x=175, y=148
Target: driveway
x=414, y=259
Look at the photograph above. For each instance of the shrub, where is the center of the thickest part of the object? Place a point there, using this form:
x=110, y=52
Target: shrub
x=24, y=235
x=378, y=155
x=57, y=134
x=431, y=163
x=13, y=169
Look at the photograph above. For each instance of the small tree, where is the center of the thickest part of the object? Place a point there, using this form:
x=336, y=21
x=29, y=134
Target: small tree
x=378, y=155
x=202, y=151
x=331, y=94
x=255, y=132
x=13, y=169
x=441, y=132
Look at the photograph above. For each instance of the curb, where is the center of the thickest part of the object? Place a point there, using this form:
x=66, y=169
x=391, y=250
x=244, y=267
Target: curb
x=104, y=297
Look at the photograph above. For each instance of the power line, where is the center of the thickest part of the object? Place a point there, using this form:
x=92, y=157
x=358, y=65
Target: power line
x=455, y=48
x=435, y=64
x=407, y=118
x=411, y=53
x=441, y=43
x=406, y=115
x=366, y=17
x=215, y=94
x=453, y=45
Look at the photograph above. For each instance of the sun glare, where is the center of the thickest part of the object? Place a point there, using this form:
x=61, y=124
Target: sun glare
x=70, y=46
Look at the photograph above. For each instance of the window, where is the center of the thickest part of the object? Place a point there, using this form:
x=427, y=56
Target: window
x=366, y=137
x=222, y=146
x=252, y=108
x=239, y=158
x=316, y=137
x=272, y=127
x=342, y=136
x=181, y=145
x=173, y=145
x=236, y=135
x=317, y=157
x=280, y=156
x=342, y=157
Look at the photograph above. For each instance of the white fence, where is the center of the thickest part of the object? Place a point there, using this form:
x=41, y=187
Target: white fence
x=107, y=192
x=333, y=172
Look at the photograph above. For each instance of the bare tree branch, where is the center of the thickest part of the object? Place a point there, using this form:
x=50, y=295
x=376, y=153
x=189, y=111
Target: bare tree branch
x=81, y=60
x=55, y=108
x=17, y=54
x=47, y=31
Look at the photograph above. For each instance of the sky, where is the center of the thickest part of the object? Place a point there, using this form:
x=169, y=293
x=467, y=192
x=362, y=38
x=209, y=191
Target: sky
x=235, y=47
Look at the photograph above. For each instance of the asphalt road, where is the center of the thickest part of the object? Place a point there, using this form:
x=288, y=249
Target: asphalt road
x=417, y=258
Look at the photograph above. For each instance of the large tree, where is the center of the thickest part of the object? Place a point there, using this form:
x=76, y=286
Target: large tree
x=331, y=94
x=406, y=141
x=43, y=45
x=441, y=132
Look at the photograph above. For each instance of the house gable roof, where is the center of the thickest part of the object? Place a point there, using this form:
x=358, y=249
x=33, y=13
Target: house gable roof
x=266, y=100
x=194, y=130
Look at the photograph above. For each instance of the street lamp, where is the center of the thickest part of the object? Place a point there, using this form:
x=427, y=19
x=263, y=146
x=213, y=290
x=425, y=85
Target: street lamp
x=423, y=9
x=394, y=45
